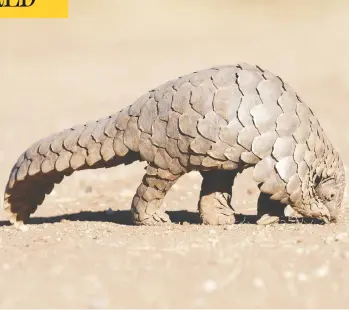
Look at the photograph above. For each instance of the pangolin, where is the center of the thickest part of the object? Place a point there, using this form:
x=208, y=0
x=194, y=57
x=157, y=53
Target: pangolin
x=217, y=121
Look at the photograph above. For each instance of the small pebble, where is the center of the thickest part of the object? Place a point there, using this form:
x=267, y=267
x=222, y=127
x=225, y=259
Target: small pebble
x=210, y=286
x=300, y=250
x=258, y=282
x=88, y=189
x=341, y=237
x=250, y=191
x=322, y=271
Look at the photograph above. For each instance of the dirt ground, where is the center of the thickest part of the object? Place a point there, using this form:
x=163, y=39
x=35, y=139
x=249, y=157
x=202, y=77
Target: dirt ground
x=80, y=250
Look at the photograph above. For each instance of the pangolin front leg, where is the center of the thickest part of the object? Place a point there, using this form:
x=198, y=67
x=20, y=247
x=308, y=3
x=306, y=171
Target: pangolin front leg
x=265, y=205
x=215, y=197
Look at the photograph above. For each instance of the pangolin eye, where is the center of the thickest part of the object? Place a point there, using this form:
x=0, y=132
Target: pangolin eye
x=317, y=180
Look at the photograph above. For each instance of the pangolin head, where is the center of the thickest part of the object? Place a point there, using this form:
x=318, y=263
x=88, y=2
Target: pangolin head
x=329, y=192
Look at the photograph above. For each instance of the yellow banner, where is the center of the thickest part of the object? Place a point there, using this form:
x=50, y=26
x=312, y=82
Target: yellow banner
x=33, y=8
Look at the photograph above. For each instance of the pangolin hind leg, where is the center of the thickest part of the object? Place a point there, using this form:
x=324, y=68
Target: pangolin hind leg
x=147, y=208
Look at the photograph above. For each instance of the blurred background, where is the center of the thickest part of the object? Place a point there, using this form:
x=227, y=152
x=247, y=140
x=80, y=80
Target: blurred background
x=55, y=73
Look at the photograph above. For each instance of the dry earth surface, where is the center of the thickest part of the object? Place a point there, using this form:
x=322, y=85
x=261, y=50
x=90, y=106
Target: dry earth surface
x=80, y=250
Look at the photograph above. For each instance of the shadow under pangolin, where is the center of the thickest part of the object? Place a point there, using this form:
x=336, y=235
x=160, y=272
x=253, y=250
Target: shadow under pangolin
x=124, y=217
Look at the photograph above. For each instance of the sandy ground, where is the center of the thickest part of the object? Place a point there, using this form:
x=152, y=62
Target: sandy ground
x=80, y=250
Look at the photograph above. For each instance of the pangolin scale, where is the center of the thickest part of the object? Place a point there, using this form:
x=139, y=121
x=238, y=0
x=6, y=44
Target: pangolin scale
x=217, y=121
